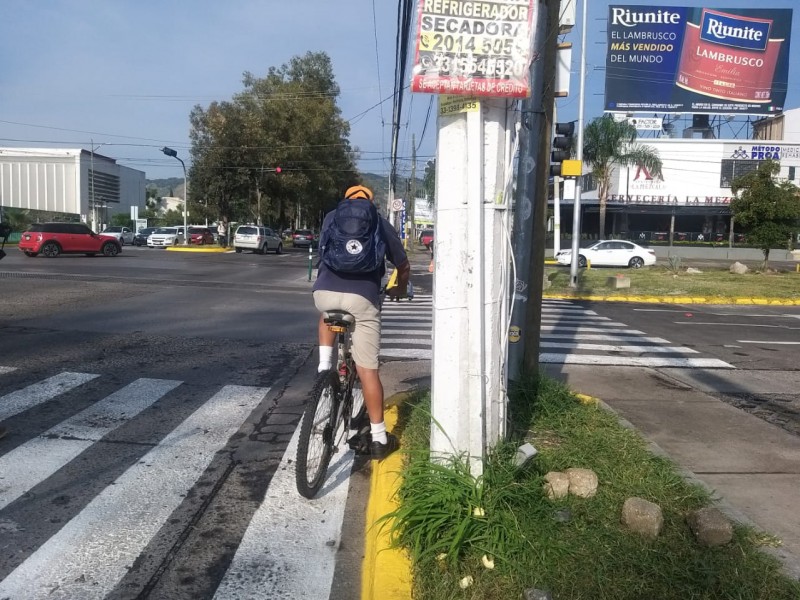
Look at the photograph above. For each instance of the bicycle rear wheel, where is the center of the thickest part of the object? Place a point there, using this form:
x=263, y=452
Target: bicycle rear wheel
x=317, y=435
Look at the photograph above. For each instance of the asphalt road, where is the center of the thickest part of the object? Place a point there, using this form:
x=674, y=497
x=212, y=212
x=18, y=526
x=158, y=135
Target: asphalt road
x=189, y=370
x=748, y=337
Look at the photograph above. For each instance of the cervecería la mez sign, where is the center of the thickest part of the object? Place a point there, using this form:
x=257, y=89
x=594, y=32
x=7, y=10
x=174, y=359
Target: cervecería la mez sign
x=474, y=47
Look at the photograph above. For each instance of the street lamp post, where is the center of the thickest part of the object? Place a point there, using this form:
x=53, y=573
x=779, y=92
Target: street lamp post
x=174, y=154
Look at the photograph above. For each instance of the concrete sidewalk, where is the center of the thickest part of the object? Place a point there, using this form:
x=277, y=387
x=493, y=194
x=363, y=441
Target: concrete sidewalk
x=753, y=467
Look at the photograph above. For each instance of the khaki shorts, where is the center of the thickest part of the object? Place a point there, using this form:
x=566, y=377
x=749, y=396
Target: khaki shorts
x=367, y=332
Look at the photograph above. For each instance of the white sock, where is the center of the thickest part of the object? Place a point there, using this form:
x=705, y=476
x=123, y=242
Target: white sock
x=378, y=431
x=325, y=358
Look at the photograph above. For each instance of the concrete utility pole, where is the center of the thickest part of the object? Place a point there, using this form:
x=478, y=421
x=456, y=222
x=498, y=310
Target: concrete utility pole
x=530, y=213
x=468, y=402
x=576, y=211
x=411, y=202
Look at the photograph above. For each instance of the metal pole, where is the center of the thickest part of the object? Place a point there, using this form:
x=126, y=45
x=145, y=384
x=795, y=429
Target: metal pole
x=185, y=206
x=576, y=215
x=310, y=260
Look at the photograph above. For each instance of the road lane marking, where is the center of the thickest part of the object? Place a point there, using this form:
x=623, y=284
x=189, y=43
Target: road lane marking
x=551, y=321
x=37, y=393
x=404, y=324
x=38, y=458
x=580, y=329
x=768, y=342
x=618, y=348
x=401, y=340
x=734, y=324
x=634, y=361
x=605, y=338
x=4, y=370
x=420, y=353
x=388, y=334
x=289, y=547
x=89, y=556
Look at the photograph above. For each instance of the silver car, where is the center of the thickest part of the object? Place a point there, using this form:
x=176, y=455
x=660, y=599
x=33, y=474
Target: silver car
x=258, y=239
x=165, y=236
x=123, y=234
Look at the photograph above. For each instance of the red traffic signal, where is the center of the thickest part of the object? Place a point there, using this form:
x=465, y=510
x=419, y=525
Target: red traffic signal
x=277, y=169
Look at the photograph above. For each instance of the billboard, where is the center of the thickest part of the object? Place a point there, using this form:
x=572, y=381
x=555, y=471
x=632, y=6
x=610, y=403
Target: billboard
x=474, y=47
x=697, y=60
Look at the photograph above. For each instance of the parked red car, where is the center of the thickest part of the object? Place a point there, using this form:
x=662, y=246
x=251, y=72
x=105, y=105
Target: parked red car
x=52, y=239
x=200, y=236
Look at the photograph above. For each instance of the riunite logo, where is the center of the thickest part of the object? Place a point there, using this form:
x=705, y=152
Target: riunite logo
x=735, y=31
x=627, y=18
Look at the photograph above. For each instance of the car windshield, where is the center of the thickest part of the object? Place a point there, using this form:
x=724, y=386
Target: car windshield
x=166, y=230
x=196, y=230
x=247, y=230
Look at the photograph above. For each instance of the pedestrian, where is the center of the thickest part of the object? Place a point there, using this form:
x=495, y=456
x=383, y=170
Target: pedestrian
x=221, y=234
x=349, y=279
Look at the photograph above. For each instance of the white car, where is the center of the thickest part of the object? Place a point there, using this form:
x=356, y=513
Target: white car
x=258, y=239
x=165, y=236
x=611, y=253
x=123, y=234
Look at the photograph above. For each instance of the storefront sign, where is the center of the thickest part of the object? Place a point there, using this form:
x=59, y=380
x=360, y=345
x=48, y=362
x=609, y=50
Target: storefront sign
x=697, y=60
x=474, y=47
x=667, y=200
x=775, y=152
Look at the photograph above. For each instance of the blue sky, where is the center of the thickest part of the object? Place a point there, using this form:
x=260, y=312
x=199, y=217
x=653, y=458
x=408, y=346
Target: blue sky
x=126, y=73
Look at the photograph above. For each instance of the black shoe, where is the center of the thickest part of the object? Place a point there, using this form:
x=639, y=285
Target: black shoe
x=380, y=451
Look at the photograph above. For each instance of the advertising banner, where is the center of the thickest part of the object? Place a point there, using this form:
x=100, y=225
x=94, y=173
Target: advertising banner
x=474, y=47
x=697, y=60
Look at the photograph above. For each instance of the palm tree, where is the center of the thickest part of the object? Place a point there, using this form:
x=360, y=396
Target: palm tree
x=608, y=143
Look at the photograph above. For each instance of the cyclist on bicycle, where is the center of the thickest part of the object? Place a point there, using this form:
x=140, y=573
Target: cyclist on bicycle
x=359, y=295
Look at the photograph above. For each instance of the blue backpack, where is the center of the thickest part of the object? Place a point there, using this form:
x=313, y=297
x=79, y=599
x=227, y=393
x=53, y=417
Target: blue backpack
x=353, y=242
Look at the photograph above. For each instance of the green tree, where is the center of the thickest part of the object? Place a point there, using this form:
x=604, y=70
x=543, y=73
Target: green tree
x=766, y=210
x=288, y=119
x=607, y=144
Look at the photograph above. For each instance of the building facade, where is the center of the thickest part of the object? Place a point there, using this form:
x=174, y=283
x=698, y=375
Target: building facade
x=70, y=181
x=691, y=199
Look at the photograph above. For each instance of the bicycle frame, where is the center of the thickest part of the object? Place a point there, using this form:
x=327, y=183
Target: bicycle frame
x=346, y=370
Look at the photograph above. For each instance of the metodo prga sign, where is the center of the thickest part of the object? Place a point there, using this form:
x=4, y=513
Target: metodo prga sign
x=474, y=47
x=697, y=60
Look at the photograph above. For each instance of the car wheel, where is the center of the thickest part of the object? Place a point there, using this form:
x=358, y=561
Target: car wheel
x=279, y=249
x=238, y=250
x=51, y=250
x=263, y=249
x=110, y=249
x=582, y=261
x=121, y=241
x=636, y=262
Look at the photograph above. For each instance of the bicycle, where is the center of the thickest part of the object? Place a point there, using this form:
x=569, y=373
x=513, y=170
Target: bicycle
x=337, y=403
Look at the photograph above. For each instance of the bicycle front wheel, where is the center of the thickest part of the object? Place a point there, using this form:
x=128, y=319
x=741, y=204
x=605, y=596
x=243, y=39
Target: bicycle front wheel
x=317, y=435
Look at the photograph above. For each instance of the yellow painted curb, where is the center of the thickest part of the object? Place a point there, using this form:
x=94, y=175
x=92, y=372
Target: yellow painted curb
x=673, y=299
x=196, y=249
x=385, y=572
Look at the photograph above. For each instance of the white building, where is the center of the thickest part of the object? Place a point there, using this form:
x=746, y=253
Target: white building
x=71, y=181
x=692, y=197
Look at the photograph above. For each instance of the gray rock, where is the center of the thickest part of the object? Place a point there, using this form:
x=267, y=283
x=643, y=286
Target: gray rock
x=693, y=271
x=642, y=516
x=534, y=594
x=710, y=527
x=556, y=485
x=738, y=268
x=582, y=482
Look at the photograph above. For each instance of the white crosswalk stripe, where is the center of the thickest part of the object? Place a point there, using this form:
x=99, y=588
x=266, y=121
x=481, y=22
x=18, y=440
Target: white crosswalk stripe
x=567, y=327
x=37, y=459
x=33, y=395
x=94, y=550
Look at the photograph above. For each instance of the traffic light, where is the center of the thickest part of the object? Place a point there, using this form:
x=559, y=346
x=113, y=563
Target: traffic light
x=562, y=147
x=278, y=169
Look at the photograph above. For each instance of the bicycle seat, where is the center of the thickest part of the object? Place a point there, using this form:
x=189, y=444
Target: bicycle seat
x=339, y=320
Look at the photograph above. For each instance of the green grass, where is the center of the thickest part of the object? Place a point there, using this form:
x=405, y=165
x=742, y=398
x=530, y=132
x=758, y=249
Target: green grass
x=660, y=281
x=589, y=557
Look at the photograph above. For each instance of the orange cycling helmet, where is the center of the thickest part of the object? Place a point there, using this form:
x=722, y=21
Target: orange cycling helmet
x=357, y=192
